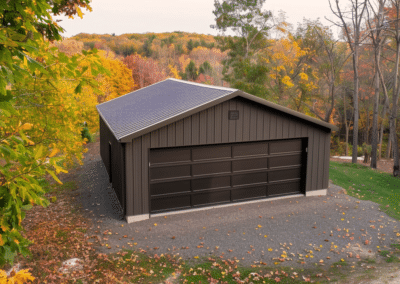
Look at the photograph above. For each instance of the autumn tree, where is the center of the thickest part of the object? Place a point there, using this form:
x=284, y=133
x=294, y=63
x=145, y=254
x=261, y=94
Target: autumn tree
x=145, y=71
x=327, y=57
x=39, y=118
x=394, y=30
x=289, y=72
x=376, y=28
x=117, y=82
x=351, y=26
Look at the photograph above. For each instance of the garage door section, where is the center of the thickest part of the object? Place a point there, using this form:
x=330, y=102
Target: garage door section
x=187, y=177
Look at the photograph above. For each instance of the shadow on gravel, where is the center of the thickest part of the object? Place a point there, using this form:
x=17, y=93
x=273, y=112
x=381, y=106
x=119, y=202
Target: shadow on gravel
x=96, y=195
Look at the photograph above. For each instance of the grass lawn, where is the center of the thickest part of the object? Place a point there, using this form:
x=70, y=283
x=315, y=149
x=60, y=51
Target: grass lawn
x=364, y=183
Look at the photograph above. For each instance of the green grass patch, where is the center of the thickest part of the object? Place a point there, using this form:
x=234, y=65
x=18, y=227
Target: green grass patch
x=395, y=246
x=364, y=183
x=142, y=268
x=384, y=253
x=65, y=187
x=63, y=235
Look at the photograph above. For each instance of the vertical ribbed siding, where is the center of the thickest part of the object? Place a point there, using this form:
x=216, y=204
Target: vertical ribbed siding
x=138, y=197
x=212, y=126
x=115, y=167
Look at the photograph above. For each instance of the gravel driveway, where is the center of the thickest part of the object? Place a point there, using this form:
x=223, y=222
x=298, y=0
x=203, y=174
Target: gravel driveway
x=297, y=231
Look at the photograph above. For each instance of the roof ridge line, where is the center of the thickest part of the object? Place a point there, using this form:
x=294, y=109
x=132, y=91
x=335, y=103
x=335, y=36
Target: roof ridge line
x=203, y=85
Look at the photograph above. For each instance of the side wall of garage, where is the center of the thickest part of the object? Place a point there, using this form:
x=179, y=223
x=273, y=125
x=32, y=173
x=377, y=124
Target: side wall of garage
x=114, y=161
x=212, y=126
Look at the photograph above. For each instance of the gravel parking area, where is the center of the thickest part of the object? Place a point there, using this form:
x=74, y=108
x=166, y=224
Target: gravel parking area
x=296, y=231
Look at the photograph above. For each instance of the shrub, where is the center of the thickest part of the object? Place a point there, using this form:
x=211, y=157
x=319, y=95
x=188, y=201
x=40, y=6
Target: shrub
x=86, y=134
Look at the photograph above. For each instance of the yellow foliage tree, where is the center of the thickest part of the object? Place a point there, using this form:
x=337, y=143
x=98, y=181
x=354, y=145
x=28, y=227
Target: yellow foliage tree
x=173, y=72
x=118, y=82
x=291, y=77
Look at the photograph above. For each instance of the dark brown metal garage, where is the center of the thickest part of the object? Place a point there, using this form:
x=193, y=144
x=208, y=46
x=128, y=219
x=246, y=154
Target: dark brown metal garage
x=180, y=145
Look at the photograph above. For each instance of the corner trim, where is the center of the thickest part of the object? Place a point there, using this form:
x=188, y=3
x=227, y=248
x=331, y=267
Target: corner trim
x=137, y=218
x=316, y=192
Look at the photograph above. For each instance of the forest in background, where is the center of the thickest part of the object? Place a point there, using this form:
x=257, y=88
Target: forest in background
x=306, y=69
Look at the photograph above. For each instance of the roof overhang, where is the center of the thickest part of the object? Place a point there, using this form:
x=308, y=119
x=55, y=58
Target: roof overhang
x=288, y=111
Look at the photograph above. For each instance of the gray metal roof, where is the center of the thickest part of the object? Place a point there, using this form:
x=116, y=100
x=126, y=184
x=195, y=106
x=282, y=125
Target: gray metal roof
x=157, y=105
x=139, y=110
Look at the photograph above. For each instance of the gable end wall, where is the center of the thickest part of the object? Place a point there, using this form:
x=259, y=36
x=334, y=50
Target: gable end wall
x=211, y=126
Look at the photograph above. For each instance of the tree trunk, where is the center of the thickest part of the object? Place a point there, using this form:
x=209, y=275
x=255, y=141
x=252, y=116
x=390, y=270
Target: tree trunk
x=389, y=148
x=381, y=137
x=366, y=132
x=355, y=103
x=347, y=126
x=374, y=141
x=393, y=113
x=385, y=110
x=347, y=140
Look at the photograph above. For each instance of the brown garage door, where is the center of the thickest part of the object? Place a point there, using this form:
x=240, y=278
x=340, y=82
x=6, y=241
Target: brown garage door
x=188, y=177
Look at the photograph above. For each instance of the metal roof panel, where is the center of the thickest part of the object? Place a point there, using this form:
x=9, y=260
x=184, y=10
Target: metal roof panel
x=154, y=104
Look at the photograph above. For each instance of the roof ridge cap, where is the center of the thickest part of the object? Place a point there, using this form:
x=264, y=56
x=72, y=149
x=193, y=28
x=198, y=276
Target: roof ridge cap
x=203, y=85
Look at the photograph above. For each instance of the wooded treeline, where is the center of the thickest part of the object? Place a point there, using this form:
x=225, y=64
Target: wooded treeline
x=307, y=69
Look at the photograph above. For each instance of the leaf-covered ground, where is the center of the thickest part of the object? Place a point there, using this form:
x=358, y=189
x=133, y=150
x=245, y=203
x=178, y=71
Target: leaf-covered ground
x=61, y=232
x=58, y=233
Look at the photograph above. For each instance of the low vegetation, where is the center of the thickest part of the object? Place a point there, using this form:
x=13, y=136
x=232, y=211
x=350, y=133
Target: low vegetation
x=368, y=184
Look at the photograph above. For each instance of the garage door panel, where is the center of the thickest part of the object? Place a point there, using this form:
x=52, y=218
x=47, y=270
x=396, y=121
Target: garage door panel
x=215, y=152
x=172, y=202
x=285, y=161
x=250, y=149
x=170, y=172
x=211, y=182
x=249, y=178
x=249, y=192
x=170, y=187
x=284, y=188
x=169, y=155
x=211, y=168
x=284, y=174
x=285, y=146
x=213, y=174
x=250, y=164
x=211, y=197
